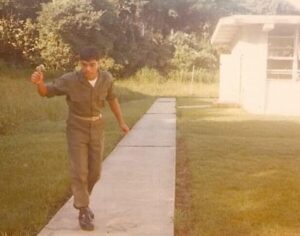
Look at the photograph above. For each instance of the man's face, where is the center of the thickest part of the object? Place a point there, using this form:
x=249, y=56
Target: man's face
x=89, y=68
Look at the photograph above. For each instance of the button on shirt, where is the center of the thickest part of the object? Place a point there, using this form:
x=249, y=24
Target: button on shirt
x=82, y=97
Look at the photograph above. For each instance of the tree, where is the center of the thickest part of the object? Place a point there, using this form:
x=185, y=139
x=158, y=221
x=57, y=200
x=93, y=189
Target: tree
x=17, y=40
x=193, y=51
x=18, y=31
x=65, y=27
x=269, y=7
x=130, y=34
x=19, y=9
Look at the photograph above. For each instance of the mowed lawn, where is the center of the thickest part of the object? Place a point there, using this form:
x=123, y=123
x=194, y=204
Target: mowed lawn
x=237, y=174
x=34, y=171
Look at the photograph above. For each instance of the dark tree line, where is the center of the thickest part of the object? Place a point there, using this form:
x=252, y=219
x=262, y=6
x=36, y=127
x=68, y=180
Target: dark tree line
x=131, y=34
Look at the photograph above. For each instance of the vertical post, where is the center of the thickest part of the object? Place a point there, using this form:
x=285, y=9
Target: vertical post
x=143, y=29
x=192, y=81
x=295, y=58
x=240, y=78
x=172, y=33
x=266, y=81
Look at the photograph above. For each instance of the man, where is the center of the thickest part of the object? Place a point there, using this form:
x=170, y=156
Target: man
x=86, y=91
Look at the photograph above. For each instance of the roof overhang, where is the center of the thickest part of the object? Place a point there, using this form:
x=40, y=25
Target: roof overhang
x=228, y=27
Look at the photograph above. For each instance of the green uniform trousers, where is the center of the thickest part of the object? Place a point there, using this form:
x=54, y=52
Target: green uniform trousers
x=85, y=150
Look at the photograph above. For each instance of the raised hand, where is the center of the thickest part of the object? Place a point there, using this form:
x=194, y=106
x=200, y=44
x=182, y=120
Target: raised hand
x=37, y=77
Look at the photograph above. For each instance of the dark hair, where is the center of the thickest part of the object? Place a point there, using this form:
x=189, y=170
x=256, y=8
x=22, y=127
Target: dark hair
x=89, y=53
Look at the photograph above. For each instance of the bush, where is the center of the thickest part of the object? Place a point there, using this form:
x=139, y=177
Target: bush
x=200, y=76
x=65, y=27
x=109, y=64
x=17, y=40
x=193, y=51
x=148, y=75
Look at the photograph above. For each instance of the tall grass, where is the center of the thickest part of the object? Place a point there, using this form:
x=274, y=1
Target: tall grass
x=20, y=103
x=175, y=84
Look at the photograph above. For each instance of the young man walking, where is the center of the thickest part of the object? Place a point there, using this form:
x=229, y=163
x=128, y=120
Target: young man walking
x=86, y=92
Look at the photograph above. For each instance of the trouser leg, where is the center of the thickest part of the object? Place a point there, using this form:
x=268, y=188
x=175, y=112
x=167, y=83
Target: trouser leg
x=85, y=147
x=78, y=160
x=79, y=174
x=95, y=156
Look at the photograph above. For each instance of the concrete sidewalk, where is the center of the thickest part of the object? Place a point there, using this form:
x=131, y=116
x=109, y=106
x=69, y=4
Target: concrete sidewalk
x=136, y=193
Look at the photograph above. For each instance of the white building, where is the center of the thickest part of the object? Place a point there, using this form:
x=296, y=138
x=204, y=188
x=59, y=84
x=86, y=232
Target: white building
x=262, y=71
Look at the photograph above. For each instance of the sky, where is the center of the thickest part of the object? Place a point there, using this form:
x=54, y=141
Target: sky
x=296, y=3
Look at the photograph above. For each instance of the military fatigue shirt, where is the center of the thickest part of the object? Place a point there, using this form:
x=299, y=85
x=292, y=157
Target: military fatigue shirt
x=83, y=99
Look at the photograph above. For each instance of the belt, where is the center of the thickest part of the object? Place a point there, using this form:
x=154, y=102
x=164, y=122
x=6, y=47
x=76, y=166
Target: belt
x=91, y=118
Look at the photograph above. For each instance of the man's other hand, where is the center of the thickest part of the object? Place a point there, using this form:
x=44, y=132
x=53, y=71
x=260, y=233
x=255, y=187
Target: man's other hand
x=124, y=128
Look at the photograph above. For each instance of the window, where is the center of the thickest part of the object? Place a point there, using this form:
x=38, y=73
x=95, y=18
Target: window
x=283, y=53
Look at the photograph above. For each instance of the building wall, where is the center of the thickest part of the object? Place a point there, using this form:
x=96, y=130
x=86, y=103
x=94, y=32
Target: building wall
x=230, y=74
x=243, y=72
x=243, y=78
x=229, y=86
x=283, y=97
x=259, y=94
x=254, y=66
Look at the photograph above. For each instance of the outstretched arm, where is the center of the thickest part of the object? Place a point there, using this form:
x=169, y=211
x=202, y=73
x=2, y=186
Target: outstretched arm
x=116, y=109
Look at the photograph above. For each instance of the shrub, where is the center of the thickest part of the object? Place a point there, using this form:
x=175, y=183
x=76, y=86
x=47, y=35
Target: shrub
x=64, y=27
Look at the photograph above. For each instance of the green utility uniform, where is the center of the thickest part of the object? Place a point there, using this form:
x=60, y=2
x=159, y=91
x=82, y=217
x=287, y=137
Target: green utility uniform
x=84, y=133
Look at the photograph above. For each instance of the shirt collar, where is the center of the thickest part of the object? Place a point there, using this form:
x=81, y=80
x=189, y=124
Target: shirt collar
x=83, y=80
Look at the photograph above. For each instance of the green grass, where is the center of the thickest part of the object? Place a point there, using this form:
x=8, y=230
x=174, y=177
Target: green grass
x=170, y=88
x=34, y=177
x=237, y=174
x=34, y=168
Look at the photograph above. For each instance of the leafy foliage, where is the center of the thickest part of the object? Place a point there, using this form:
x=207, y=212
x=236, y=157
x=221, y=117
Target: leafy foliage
x=17, y=39
x=65, y=26
x=193, y=51
x=131, y=34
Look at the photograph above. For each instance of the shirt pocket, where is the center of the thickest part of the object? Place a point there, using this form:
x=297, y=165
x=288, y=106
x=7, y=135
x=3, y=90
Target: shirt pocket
x=77, y=97
x=100, y=100
x=80, y=104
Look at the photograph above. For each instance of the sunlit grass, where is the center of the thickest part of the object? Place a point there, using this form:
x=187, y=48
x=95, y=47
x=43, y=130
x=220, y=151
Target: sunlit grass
x=171, y=88
x=242, y=172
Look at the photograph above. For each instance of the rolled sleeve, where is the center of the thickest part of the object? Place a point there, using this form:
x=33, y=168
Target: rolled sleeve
x=57, y=87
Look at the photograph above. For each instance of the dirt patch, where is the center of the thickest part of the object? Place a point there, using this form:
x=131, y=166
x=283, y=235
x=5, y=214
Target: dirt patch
x=183, y=193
